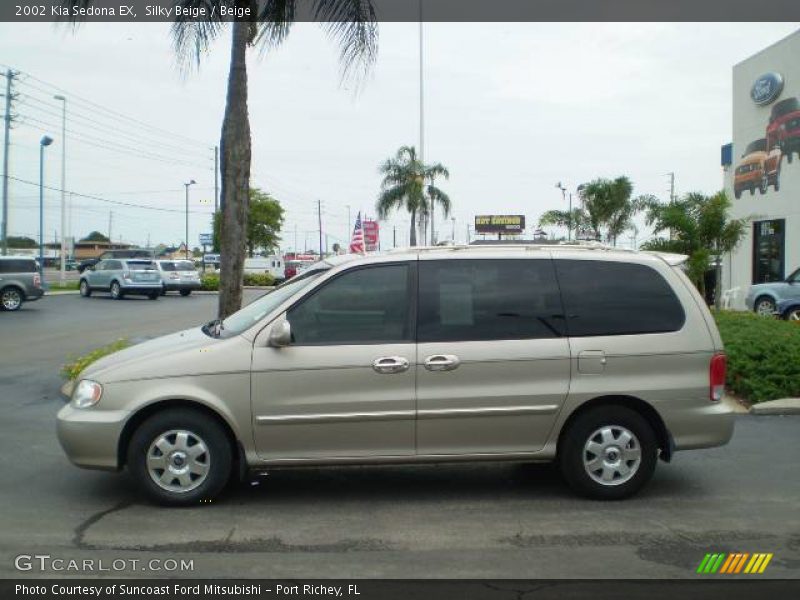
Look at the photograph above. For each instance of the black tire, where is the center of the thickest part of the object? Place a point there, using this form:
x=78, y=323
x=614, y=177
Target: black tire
x=116, y=291
x=762, y=188
x=752, y=191
x=84, y=288
x=769, y=306
x=572, y=452
x=789, y=157
x=154, y=295
x=11, y=298
x=219, y=455
x=737, y=193
x=185, y=292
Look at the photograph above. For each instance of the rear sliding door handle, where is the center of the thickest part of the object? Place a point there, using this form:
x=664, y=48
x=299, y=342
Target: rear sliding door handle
x=387, y=365
x=442, y=362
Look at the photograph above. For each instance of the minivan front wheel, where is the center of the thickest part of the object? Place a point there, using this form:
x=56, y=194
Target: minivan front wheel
x=180, y=457
x=608, y=453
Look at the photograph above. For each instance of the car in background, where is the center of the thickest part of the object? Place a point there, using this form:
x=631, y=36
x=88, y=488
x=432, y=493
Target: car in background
x=789, y=310
x=269, y=265
x=178, y=276
x=71, y=265
x=759, y=168
x=19, y=281
x=783, y=130
x=211, y=260
x=295, y=267
x=121, y=278
x=763, y=298
x=135, y=253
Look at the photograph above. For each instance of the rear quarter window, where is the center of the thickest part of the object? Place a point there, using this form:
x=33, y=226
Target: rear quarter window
x=613, y=298
x=18, y=265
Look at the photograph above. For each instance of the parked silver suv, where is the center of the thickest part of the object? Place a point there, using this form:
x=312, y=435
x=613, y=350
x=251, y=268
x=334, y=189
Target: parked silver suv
x=120, y=277
x=19, y=281
x=599, y=359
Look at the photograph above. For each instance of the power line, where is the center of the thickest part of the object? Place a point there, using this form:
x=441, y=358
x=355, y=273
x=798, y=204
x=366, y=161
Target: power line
x=115, y=202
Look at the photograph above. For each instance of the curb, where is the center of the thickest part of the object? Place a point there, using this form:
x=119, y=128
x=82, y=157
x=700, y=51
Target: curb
x=66, y=389
x=783, y=406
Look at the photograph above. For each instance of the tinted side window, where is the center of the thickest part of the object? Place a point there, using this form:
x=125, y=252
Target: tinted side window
x=113, y=265
x=467, y=300
x=365, y=306
x=14, y=265
x=611, y=298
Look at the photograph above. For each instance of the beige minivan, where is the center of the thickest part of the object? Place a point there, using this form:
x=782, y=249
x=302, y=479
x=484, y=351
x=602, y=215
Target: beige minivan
x=599, y=359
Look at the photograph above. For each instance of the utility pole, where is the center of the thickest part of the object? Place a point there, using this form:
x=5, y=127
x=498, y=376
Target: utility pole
x=671, y=195
x=63, y=251
x=394, y=236
x=6, y=145
x=110, y=222
x=216, y=179
x=319, y=217
x=296, y=251
x=423, y=218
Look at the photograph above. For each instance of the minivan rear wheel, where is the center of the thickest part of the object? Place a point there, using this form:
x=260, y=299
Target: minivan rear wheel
x=116, y=291
x=608, y=453
x=180, y=457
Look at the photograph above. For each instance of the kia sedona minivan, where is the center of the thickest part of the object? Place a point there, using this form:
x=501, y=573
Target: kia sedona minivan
x=600, y=359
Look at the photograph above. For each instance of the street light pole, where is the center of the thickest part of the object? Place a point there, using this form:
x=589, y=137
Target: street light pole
x=569, y=214
x=186, y=242
x=43, y=143
x=63, y=100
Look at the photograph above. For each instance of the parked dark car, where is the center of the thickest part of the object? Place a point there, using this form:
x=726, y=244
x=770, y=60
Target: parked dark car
x=19, y=281
x=90, y=262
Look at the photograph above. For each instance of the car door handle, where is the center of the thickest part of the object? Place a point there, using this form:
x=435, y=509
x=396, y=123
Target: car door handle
x=387, y=365
x=442, y=362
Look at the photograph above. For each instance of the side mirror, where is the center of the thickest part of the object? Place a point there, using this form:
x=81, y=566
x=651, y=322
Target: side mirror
x=280, y=335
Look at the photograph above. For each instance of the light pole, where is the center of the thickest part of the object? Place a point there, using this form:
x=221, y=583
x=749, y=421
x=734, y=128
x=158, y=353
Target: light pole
x=43, y=143
x=186, y=185
x=63, y=101
x=569, y=214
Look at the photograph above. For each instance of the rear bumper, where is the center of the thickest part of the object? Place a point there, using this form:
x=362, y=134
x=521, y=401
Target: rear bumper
x=702, y=426
x=141, y=288
x=33, y=294
x=187, y=285
x=90, y=438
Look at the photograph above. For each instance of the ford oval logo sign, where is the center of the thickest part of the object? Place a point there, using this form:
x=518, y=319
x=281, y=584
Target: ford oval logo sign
x=767, y=88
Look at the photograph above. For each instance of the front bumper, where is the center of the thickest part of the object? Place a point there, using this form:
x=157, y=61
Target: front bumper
x=89, y=437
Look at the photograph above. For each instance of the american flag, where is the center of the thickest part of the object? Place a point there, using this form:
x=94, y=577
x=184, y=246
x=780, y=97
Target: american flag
x=357, y=243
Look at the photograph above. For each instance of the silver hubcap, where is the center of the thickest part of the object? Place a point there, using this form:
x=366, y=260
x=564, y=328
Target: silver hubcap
x=765, y=307
x=794, y=315
x=178, y=461
x=11, y=299
x=115, y=290
x=612, y=455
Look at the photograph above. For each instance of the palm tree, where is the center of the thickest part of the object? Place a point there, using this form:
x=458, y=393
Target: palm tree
x=351, y=23
x=699, y=227
x=403, y=186
x=609, y=204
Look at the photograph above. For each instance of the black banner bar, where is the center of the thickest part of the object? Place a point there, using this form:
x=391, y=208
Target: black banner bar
x=145, y=11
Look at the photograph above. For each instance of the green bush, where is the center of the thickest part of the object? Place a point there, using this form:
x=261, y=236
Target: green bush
x=259, y=279
x=763, y=355
x=210, y=282
x=75, y=367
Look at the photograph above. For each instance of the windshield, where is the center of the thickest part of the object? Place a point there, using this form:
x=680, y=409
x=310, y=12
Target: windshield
x=248, y=316
x=167, y=266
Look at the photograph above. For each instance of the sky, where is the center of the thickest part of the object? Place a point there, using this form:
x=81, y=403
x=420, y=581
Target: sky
x=511, y=109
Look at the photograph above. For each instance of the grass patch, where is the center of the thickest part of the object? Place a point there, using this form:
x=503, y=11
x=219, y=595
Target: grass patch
x=72, y=369
x=763, y=355
x=58, y=286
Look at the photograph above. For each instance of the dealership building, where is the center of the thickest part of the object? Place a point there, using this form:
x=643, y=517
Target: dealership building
x=762, y=167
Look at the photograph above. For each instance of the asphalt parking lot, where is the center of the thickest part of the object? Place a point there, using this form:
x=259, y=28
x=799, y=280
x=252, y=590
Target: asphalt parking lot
x=464, y=521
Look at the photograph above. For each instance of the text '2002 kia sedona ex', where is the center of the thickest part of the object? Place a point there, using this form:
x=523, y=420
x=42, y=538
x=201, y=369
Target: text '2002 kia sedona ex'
x=601, y=360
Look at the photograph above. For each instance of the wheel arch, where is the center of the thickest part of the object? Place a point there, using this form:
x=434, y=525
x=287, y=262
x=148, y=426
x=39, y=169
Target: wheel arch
x=15, y=286
x=145, y=412
x=645, y=409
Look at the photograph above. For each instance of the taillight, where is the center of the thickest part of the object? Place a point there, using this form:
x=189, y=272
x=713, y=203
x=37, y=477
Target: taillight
x=37, y=280
x=716, y=377
x=126, y=275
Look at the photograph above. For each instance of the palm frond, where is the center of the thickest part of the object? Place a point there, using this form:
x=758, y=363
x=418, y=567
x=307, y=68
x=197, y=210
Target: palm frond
x=275, y=19
x=192, y=39
x=353, y=25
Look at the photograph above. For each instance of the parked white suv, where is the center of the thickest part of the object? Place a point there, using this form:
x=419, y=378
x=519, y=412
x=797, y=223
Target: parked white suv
x=602, y=360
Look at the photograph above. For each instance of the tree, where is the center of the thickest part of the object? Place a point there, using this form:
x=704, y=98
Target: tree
x=699, y=227
x=258, y=24
x=15, y=241
x=96, y=236
x=403, y=186
x=264, y=221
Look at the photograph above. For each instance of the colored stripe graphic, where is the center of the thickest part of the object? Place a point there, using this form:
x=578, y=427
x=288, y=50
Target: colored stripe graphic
x=734, y=563
x=766, y=562
x=727, y=564
x=740, y=564
x=703, y=563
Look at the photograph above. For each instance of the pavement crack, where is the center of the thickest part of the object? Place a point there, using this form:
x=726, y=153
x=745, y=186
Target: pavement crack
x=80, y=530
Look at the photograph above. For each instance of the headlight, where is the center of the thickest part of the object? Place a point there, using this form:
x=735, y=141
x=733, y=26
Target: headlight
x=87, y=393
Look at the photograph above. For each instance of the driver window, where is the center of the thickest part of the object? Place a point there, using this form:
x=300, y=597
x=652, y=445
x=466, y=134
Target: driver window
x=363, y=306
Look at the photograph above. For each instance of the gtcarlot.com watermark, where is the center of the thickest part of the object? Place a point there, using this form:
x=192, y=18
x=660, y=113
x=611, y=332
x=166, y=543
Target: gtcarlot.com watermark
x=57, y=564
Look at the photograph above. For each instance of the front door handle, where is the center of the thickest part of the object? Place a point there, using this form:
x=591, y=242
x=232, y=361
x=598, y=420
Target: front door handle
x=390, y=364
x=442, y=362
